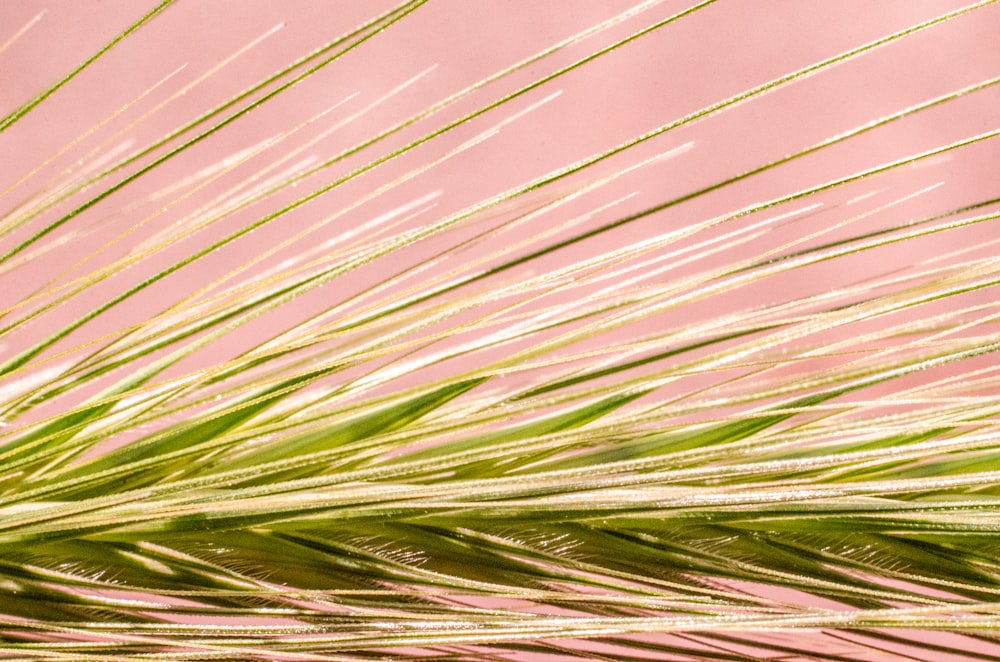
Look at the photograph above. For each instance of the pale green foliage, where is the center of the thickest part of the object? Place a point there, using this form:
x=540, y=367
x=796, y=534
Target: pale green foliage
x=561, y=419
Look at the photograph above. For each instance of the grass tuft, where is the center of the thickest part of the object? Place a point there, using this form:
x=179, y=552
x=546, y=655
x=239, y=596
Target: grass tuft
x=646, y=330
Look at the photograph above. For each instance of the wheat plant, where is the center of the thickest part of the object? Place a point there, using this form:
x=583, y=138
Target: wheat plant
x=499, y=331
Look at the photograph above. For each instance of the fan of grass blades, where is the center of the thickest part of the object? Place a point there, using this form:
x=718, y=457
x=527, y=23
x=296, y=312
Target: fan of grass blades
x=499, y=331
